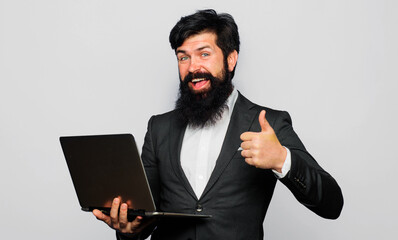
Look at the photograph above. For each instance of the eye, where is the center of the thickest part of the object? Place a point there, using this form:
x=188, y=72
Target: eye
x=183, y=58
x=205, y=54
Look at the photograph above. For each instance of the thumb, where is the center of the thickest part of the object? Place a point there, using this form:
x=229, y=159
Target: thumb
x=263, y=121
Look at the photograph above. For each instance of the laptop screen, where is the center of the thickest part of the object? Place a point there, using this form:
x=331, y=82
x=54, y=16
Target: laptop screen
x=103, y=167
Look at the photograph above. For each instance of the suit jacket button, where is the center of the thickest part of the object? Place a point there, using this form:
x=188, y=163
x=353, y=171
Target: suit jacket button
x=199, y=208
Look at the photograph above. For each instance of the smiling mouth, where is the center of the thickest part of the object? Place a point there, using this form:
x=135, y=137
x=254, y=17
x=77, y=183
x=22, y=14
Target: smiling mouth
x=198, y=80
x=199, y=84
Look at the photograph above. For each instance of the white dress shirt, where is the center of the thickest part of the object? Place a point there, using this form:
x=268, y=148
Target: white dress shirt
x=201, y=147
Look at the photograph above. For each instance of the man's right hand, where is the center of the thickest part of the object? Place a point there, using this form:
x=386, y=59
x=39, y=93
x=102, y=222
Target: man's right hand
x=118, y=219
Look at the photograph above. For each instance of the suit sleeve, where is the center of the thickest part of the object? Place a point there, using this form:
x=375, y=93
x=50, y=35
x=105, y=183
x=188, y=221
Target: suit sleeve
x=310, y=184
x=150, y=161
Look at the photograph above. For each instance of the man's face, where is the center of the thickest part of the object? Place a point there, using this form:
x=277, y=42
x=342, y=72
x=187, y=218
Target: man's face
x=205, y=80
x=199, y=56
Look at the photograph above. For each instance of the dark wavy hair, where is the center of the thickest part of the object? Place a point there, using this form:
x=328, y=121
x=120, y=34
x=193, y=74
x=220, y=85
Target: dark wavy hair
x=223, y=25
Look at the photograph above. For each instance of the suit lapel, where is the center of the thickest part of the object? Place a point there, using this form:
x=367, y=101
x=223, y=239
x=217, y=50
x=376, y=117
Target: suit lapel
x=241, y=120
x=176, y=137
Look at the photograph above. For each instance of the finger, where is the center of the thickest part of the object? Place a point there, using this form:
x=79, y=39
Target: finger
x=101, y=216
x=123, y=215
x=114, y=214
x=252, y=162
x=263, y=121
x=246, y=153
x=249, y=161
x=246, y=145
x=136, y=223
x=247, y=136
x=98, y=214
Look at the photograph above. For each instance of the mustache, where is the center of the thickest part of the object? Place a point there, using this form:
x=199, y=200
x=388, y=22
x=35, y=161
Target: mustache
x=191, y=76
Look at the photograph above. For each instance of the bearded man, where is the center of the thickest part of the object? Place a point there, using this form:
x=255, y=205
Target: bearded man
x=218, y=153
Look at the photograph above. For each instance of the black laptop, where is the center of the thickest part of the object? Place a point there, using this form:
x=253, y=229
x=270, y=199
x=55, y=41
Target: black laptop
x=103, y=167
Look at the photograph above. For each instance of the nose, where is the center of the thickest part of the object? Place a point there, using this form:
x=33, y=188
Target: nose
x=194, y=65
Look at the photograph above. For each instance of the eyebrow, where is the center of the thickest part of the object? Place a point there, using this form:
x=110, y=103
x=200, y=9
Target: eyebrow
x=198, y=49
x=180, y=51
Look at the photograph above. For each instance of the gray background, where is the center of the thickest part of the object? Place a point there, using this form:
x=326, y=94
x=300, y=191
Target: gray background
x=89, y=67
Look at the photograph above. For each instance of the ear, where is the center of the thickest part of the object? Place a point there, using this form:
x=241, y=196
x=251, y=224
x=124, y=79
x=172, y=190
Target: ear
x=232, y=59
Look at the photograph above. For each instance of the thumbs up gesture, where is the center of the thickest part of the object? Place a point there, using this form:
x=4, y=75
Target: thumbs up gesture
x=263, y=149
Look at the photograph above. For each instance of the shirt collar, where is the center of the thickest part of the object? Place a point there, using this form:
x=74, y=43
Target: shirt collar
x=231, y=101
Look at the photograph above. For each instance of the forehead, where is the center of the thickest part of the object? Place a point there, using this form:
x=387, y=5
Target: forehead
x=195, y=42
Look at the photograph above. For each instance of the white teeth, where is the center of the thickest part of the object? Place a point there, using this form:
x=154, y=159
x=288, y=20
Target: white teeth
x=197, y=80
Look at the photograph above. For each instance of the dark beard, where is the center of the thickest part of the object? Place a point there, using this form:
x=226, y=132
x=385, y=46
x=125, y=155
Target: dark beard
x=203, y=109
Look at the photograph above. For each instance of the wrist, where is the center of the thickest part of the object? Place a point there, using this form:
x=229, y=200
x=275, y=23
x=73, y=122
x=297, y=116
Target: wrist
x=281, y=160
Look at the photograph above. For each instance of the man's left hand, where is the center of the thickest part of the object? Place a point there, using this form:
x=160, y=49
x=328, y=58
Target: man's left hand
x=263, y=149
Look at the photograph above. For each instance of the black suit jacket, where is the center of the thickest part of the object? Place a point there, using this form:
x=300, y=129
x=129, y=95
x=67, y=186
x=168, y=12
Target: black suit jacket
x=237, y=194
